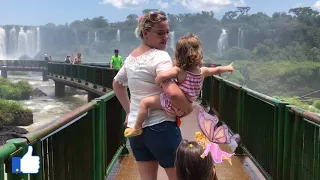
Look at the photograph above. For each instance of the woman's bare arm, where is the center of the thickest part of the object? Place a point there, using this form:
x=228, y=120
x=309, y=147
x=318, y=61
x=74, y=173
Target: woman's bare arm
x=177, y=97
x=122, y=95
x=163, y=76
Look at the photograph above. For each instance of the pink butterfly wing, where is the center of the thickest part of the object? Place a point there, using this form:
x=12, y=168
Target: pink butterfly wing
x=208, y=125
x=221, y=134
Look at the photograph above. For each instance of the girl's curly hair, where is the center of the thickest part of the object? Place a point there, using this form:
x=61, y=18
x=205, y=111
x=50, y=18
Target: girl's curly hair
x=188, y=52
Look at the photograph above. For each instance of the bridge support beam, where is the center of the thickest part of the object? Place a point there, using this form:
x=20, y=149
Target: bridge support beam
x=92, y=96
x=45, y=75
x=59, y=89
x=4, y=73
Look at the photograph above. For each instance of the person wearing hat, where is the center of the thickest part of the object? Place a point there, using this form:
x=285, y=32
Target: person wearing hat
x=68, y=59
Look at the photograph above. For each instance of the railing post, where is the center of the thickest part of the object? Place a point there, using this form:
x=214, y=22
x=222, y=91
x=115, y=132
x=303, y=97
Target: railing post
x=280, y=145
x=99, y=139
x=37, y=151
x=19, y=143
x=287, y=143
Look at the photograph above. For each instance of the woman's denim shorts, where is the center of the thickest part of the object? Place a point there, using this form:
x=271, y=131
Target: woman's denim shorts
x=158, y=142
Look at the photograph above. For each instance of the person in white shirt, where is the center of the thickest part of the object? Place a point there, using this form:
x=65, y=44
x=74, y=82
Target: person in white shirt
x=161, y=135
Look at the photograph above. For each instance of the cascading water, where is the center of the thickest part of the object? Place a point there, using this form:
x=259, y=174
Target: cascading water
x=22, y=42
x=96, y=38
x=31, y=45
x=38, y=40
x=118, y=35
x=172, y=40
x=240, y=38
x=76, y=36
x=3, y=48
x=13, y=42
x=222, y=42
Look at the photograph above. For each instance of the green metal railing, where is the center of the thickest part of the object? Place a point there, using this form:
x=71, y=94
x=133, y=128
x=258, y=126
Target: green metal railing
x=282, y=140
x=97, y=75
x=24, y=63
x=301, y=158
x=267, y=132
x=83, y=144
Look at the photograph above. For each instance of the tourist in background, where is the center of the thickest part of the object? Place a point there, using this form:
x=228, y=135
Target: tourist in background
x=46, y=58
x=116, y=60
x=77, y=59
x=68, y=59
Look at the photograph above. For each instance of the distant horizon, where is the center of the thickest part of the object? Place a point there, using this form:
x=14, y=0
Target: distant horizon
x=60, y=12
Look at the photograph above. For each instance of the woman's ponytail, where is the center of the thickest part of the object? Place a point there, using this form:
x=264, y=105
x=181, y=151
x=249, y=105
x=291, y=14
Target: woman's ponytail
x=139, y=27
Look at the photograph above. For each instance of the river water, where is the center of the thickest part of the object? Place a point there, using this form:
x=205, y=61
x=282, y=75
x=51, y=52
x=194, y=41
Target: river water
x=48, y=108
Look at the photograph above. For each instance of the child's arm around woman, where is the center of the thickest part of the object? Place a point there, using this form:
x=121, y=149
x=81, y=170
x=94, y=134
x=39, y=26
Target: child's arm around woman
x=173, y=72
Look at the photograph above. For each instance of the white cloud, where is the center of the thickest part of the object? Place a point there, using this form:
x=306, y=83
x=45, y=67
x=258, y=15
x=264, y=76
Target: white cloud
x=162, y=4
x=207, y=5
x=195, y=5
x=317, y=4
x=125, y=3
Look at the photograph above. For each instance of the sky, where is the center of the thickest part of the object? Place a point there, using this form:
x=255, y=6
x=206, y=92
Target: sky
x=41, y=12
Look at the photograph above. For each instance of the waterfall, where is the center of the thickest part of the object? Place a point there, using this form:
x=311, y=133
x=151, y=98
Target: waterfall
x=96, y=38
x=31, y=45
x=13, y=42
x=172, y=40
x=3, y=48
x=76, y=36
x=118, y=35
x=222, y=42
x=22, y=42
x=240, y=38
x=38, y=40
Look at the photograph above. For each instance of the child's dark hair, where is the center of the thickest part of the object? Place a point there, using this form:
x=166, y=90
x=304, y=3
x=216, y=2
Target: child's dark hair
x=188, y=52
x=189, y=165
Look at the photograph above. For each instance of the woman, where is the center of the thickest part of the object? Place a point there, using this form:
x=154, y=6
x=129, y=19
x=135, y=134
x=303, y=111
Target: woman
x=161, y=135
x=77, y=59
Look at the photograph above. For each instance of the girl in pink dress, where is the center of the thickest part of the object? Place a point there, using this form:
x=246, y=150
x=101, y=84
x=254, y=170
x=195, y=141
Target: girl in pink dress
x=189, y=75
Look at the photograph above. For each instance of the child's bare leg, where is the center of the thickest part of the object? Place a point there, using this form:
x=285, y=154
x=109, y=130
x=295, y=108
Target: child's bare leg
x=151, y=102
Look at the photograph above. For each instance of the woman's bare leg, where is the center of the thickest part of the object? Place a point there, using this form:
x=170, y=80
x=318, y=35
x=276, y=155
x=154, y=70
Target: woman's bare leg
x=148, y=170
x=151, y=102
x=171, y=173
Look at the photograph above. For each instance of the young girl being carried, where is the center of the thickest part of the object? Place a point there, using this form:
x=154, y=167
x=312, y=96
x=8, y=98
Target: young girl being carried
x=190, y=76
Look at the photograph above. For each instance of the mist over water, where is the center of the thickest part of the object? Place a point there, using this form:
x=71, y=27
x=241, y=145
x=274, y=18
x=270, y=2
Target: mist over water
x=13, y=45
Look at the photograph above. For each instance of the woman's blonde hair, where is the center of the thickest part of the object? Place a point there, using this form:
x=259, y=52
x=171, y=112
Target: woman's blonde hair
x=148, y=20
x=188, y=52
